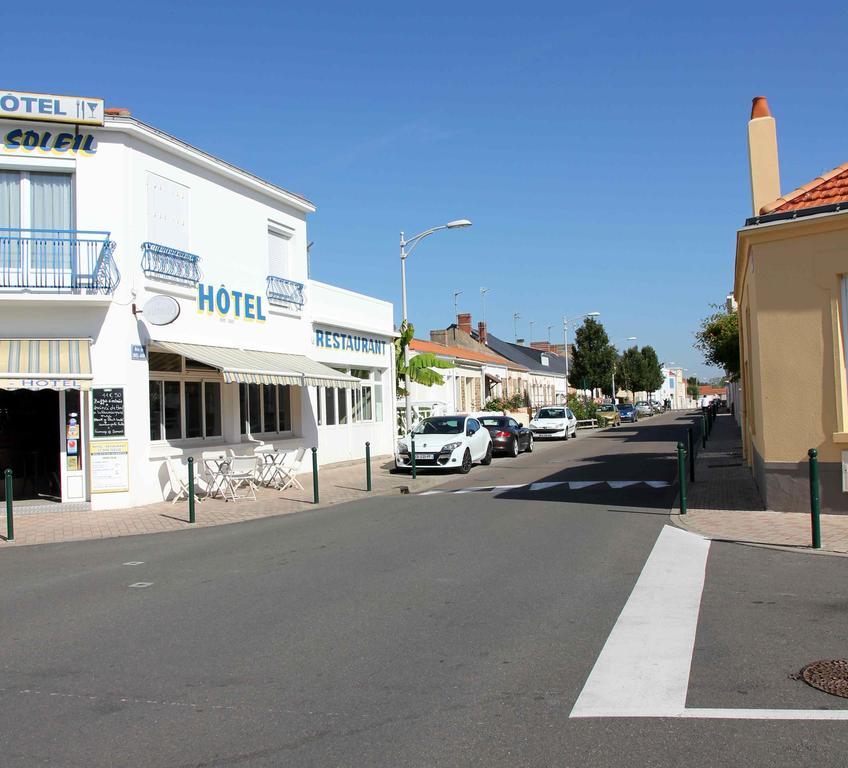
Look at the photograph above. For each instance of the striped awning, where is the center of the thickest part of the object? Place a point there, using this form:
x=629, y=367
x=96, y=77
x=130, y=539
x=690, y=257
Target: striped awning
x=252, y=366
x=45, y=364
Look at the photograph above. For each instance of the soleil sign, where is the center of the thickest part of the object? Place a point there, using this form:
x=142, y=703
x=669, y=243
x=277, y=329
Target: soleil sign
x=226, y=303
x=52, y=143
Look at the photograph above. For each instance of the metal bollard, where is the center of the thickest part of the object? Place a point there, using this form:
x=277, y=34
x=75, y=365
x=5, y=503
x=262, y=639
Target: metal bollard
x=691, y=448
x=10, y=522
x=367, y=466
x=412, y=449
x=681, y=473
x=315, y=475
x=191, y=499
x=703, y=431
x=815, y=501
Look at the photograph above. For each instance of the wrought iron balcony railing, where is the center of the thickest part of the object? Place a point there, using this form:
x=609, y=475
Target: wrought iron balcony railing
x=163, y=263
x=57, y=261
x=284, y=293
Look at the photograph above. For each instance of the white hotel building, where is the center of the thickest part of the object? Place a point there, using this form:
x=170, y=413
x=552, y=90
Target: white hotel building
x=155, y=303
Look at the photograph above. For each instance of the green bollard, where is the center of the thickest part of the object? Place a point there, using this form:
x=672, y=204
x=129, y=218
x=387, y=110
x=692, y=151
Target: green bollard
x=703, y=431
x=815, y=501
x=191, y=499
x=681, y=473
x=10, y=522
x=412, y=449
x=691, y=448
x=367, y=466
x=315, y=475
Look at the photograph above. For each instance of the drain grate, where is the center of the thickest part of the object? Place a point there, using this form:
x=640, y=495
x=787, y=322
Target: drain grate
x=828, y=675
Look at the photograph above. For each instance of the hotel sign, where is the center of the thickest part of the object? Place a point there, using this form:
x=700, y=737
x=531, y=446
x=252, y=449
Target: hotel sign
x=79, y=110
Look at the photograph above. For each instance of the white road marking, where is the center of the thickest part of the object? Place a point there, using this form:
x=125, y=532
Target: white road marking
x=657, y=483
x=135, y=562
x=643, y=669
x=622, y=483
x=579, y=485
x=766, y=714
x=544, y=486
x=141, y=585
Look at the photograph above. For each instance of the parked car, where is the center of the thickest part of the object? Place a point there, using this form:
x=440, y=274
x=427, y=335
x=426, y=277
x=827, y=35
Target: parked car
x=643, y=408
x=628, y=412
x=608, y=415
x=508, y=436
x=446, y=442
x=554, y=421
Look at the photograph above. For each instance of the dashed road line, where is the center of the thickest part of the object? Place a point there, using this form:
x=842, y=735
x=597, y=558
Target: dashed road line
x=573, y=485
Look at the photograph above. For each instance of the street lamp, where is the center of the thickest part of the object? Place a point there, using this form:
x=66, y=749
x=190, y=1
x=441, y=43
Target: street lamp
x=629, y=338
x=565, y=322
x=412, y=243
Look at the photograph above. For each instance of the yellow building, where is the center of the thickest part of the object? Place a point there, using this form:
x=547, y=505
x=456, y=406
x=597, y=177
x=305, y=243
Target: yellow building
x=790, y=283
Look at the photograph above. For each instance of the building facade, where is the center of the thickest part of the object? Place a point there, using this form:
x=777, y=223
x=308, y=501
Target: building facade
x=155, y=303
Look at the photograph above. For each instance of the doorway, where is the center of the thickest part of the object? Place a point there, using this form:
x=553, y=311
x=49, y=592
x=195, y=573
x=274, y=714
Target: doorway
x=29, y=443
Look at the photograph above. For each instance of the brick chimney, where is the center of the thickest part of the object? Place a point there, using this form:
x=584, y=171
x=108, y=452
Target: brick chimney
x=481, y=333
x=542, y=346
x=439, y=337
x=762, y=155
x=463, y=321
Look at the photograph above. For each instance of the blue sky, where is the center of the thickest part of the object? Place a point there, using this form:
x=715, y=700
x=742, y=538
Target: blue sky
x=600, y=151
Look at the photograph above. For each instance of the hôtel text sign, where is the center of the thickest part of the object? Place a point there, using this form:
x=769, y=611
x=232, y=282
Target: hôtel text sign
x=79, y=110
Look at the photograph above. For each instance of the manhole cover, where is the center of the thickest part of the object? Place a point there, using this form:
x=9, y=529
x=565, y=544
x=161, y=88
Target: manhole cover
x=830, y=676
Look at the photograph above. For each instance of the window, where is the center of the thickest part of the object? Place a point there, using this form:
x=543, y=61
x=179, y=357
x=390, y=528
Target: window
x=368, y=399
x=278, y=254
x=332, y=406
x=167, y=212
x=265, y=408
x=183, y=404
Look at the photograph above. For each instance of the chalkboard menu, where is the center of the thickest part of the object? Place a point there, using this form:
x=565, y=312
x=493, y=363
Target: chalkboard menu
x=107, y=406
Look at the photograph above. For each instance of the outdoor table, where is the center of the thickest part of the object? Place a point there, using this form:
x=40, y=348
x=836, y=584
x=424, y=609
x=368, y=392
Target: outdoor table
x=271, y=471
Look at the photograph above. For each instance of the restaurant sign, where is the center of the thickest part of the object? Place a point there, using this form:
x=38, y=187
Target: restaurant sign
x=76, y=110
x=350, y=342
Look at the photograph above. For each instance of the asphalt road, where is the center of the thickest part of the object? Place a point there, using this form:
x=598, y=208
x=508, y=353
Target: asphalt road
x=441, y=630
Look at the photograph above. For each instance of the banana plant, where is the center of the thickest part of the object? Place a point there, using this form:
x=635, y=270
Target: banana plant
x=420, y=369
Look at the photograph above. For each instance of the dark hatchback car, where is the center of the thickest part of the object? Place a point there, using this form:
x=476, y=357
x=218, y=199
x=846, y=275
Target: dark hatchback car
x=628, y=413
x=508, y=436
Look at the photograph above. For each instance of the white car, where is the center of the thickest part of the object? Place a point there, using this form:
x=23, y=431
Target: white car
x=554, y=421
x=446, y=442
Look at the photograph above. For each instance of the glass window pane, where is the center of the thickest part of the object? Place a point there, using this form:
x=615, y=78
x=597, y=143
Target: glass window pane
x=193, y=409
x=10, y=217
x=173, y=426
x=330, y=405
x=378, y=402
x=213, y=408
x=285, y=408
x=269, y=397
x=243, y=407
x=319, y=405
x=50, y=196
x=254, y=408
x=155, y=388
x=342, y=406
x=367, y=413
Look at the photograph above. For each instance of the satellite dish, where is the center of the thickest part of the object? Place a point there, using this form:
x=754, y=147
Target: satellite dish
x=161, y=310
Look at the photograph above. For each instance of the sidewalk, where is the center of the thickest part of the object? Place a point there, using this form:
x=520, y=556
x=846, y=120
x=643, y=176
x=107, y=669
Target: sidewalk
x=724, y=502
x=338, y=484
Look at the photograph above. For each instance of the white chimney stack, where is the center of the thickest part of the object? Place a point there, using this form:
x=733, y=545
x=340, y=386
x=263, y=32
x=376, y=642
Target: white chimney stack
x=762, y=155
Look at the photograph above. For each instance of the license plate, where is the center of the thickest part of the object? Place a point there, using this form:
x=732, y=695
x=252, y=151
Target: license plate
x=425, y=456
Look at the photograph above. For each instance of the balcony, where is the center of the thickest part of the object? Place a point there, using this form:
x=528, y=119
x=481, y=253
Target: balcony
x=162, y=263
x=39, y=261
x=284, y=293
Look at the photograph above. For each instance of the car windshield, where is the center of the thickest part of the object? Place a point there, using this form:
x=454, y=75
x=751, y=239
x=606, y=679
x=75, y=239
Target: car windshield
x=440, y=425
x=551, y=413
x=625, y=407
x=641, y=402
x=606, y=408
x=493, y=422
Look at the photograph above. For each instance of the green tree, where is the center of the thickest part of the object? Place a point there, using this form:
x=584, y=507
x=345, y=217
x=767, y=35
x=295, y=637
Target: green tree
x=593, y=357
x=420, y=366
x=718, y=340
x=692, y=388
x=631, y=370
x=653, y=375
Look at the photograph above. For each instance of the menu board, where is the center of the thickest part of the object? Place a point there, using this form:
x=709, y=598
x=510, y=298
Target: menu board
x=107, y=407
x=109, y=466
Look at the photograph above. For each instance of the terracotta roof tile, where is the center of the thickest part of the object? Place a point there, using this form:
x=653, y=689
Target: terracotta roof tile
x=420, y=345
x=829, y=188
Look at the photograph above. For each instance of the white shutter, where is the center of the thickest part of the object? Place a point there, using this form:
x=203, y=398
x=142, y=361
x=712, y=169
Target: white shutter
x=167, y=212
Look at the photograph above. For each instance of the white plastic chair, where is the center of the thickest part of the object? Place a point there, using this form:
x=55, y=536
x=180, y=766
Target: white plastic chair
x=213, y=469
x=240, y=473
x=178, y=480
x=289, y=470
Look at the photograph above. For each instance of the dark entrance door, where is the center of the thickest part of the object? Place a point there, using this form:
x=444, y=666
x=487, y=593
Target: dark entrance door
x=29, y=442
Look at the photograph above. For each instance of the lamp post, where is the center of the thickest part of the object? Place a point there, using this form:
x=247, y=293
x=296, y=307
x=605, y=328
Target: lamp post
x=629, y=338
x=411, y=244
x=530, y=340
x=565, y=322
x=515, y=318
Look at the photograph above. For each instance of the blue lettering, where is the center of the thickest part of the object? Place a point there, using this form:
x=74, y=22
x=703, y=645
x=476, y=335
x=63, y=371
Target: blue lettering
x=204, y=298
x=249, y=300
x=45, y=140
x=237, y=301
x=63, y=141
x=259, y=316
x=319, y=338
x=88, y=146
x=30, y=139
x=356, y=342
x=336, y=344
x=13, y=138
x=222, y=300
x=45, y=106
x=57, y=108
x=28, y=102
x=9, y=103
x=349, y=344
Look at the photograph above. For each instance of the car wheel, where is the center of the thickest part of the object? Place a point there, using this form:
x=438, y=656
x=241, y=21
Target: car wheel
x=465, y=467
x=487, y=459
x=565, y=435
x=530, y=444
x=513, y=447
x=574, y=433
